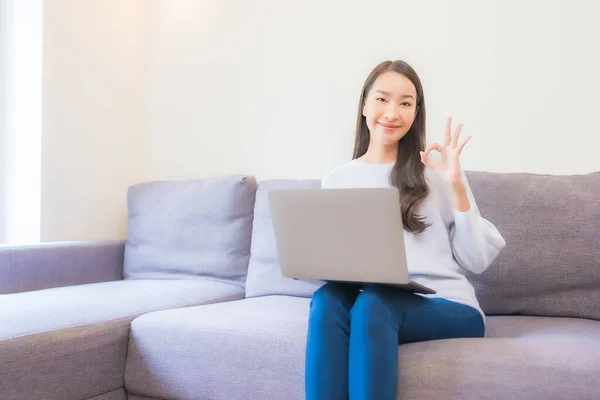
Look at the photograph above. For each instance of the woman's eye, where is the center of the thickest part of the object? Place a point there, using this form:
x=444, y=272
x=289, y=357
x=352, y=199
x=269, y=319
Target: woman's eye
x=380, y=99
x=405, y=104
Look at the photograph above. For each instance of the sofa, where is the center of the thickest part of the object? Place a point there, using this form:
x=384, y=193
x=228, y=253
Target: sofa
x=193, y=305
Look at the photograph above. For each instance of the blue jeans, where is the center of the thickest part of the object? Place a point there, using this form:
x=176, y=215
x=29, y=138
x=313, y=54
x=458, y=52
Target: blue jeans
x=353, y=337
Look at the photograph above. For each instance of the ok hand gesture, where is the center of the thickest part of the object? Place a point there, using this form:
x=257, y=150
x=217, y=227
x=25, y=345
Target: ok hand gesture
x=449, y=166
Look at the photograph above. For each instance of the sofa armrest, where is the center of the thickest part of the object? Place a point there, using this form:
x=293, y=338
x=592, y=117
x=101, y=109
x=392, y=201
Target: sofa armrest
x=55, y=264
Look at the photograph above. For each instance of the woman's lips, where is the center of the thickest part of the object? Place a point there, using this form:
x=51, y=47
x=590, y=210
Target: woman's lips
x=388, y=127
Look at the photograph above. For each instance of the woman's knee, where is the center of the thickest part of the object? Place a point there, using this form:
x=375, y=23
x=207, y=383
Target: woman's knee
x=335, y=293
x=370, y=300
x=329, y=302
x=371, y=308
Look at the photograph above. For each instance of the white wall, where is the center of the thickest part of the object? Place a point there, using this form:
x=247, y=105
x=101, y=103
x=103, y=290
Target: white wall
x=271, y=87
x=139, y=90
x=94, y=116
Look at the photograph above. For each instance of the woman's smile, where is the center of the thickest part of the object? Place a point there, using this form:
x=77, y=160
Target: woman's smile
x=388, y=128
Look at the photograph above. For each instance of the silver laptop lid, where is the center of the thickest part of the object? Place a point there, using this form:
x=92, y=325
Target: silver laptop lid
x=340, y=234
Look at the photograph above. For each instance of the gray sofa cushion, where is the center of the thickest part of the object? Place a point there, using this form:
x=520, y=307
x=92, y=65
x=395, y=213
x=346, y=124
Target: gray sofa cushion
x=58, y=308
x=520, y=358
x=118, y=394
x=71, y=342
x=74, y=363
x=551, y=263
x=250, y=349
x=255, y=349
x=264, y=272
x=190, y=229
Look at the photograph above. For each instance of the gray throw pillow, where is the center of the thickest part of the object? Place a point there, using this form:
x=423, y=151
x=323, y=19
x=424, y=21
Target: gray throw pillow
x=264, y=272
x=551, y=263
x=190, y=229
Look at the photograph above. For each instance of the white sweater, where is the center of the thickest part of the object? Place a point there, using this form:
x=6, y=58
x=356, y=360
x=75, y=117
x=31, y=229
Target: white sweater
x=456, y=241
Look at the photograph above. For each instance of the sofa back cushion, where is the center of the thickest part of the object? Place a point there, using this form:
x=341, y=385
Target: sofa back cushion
x=190, y=229
x=264, y=272
x=551, y=263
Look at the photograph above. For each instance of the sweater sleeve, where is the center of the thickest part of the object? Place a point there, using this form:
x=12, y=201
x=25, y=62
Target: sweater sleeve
x=475, y=241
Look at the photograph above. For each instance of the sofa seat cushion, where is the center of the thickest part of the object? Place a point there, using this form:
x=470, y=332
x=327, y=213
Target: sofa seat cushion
x=521, y=357
x=71, y=306
x=72, y=363
x=254, y=349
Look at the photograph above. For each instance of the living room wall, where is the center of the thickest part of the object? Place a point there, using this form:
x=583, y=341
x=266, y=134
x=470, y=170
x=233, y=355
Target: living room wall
x=271, y=88
x=94, y=139
x=137, y=90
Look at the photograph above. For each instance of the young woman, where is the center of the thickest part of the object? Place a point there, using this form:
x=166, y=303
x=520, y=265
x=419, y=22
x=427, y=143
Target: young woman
x=354, y=330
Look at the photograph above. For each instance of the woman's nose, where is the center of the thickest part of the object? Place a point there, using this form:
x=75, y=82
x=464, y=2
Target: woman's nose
x=391, y=114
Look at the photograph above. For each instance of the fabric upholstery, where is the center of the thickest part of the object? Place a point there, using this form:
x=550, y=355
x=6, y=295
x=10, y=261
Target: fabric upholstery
x=264, y=272
x=190, y=229
x=255, y=348
x=551, y=263
x=118, y=394
x=56, y=264
x=58, y=308
x=67, y=364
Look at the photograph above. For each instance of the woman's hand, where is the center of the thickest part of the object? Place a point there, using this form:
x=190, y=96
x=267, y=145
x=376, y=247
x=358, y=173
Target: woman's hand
x=449, y=166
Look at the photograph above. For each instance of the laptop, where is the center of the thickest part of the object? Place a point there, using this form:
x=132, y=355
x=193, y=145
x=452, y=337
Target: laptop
x=343, y=235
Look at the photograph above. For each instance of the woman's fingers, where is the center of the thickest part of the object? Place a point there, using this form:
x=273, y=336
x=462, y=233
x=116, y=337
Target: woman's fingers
x=460, y=146
x=434, y=146
x=456, y=135
x=452, y=139
x=447, y=135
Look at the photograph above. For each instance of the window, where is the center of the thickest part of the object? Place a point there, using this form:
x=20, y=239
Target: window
x=20, y=120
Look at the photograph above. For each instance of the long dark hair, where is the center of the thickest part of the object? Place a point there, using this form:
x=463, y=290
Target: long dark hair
x=408, y=173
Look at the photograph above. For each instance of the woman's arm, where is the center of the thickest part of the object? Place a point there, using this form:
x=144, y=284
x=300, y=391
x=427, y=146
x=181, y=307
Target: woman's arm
x=475, y=241
x=460, y=198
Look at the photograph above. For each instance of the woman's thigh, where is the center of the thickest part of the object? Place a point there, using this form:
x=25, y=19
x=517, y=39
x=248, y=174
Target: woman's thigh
x=333, y=294
x=423, y=318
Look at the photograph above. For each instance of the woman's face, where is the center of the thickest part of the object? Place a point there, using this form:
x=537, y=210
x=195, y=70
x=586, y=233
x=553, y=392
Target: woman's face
x=390, y=107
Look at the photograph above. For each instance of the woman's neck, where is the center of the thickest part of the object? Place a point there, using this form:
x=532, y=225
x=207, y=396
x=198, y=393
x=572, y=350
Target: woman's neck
x=380, y=154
